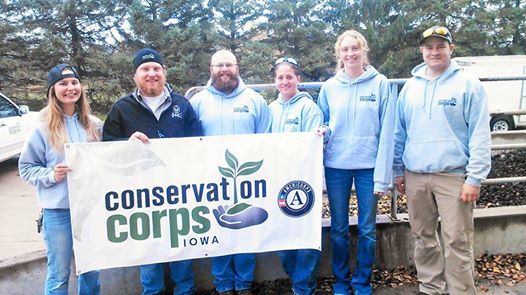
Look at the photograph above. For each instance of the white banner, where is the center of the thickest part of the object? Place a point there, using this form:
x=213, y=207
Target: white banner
x=185, y=198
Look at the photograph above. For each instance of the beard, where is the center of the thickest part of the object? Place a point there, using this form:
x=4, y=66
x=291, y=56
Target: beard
x=151, y=89
x=225, y=82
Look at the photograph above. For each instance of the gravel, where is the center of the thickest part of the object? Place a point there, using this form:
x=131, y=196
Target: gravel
x=507, y=164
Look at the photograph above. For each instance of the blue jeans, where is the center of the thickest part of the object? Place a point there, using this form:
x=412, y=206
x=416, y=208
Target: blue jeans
x=339, y=183
x=152, y=278
x=233, y=272
x=301, y=265
x=59, y=245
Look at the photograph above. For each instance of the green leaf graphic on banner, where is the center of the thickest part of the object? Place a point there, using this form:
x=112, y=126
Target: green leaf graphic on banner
x=231, y=160
x=226, y=172
x=235, y=170
x=249, y=168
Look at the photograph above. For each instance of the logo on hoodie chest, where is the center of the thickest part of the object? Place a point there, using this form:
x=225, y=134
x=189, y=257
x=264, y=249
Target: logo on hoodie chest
x=176, y=112
x=243, y=109
x=368, y=98
x=447, y=102
x=292, y=121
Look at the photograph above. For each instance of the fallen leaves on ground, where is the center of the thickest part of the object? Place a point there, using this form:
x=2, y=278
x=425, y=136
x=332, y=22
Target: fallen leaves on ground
x=502, y=269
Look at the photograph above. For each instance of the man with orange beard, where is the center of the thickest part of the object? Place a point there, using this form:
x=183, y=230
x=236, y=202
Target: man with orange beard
x=228, y=107
x=154, y=110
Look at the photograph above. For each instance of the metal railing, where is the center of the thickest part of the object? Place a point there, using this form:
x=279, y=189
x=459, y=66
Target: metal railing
x=394, y=194
x=494, y=147
x=316, y=85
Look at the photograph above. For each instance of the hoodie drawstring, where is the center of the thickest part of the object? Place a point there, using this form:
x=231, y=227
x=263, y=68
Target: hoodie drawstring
x=68, y=126
x=425, y=96
x=284, y=113
x=356, y=100
x=432, y=97
x=429, y=113
x=348, y=105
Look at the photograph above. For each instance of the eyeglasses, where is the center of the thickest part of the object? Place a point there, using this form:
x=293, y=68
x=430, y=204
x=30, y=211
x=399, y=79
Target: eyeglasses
x=290, y=60
x=442, y=31
x=226, y=65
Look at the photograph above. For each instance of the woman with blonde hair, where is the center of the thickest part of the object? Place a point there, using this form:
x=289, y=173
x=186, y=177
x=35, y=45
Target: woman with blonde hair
x=65, y=119
x=358, y=130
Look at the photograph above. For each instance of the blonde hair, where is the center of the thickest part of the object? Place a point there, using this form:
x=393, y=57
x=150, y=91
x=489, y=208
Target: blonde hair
x=53, y=116
x=356, y=36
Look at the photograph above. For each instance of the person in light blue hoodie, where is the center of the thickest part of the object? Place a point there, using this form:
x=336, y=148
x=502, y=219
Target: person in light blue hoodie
x=65, y=119
x=295, y=111
x=442, y=153
x=228, y=107
x=358, y=110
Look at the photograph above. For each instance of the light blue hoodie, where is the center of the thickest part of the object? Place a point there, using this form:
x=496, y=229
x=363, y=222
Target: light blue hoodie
x=298, y=114
x=38, y=158
x=244, y=111
x=443, y=125
x=360, y=114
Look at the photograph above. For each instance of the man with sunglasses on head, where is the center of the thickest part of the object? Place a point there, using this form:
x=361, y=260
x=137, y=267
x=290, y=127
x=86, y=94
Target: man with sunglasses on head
x=154, y=110
x=442, y=153
x=228, y=107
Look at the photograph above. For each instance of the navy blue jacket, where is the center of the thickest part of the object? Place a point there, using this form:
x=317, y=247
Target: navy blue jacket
x=127, y=116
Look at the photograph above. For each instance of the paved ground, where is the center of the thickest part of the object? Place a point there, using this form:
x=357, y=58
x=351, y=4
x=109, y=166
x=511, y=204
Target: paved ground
x=482, y=289
x=18, y=211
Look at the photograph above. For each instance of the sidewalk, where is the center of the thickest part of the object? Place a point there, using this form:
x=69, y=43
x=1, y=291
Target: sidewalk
x=484, y=288
x=18, y=211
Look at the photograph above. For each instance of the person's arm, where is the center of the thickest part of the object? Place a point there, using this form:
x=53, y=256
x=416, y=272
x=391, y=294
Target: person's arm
x=384, y=159
x=324, y=107
x=479, y=162
x=113, y=128
x=32, y=162
x=192, y=123
x=400, y=135
x=313, y=118
x=264, y=118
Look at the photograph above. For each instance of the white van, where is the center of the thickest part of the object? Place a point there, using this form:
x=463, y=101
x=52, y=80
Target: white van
x=502, y=95
x=15, y=124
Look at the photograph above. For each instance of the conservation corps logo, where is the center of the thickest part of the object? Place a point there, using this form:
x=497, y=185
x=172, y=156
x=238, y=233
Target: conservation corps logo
x=296, y=198
x=176, y=112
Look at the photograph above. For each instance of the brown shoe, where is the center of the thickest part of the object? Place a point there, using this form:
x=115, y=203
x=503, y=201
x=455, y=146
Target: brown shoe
x=244, y=292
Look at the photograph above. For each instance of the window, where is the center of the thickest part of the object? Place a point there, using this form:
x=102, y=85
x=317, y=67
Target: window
x=7, y=109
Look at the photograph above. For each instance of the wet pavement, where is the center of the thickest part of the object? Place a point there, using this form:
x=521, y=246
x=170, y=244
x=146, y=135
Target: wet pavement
x=18, y=211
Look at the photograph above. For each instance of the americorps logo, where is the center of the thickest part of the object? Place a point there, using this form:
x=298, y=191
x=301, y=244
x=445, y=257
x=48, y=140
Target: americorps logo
x=296, y=198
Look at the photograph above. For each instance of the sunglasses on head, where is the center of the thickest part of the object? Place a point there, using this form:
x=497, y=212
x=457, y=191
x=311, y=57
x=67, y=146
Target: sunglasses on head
x=442, y=31
x=290, y=60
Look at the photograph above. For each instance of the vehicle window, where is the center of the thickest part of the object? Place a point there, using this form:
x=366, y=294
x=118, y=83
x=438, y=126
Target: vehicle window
x=7, y=109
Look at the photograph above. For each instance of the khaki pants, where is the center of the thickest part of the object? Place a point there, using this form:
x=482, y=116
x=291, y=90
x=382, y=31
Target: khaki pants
x=430, y=196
